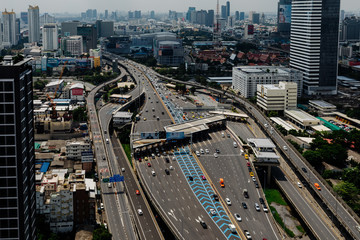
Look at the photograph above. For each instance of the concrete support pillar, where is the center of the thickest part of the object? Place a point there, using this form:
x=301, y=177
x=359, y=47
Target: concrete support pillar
x=268, y=175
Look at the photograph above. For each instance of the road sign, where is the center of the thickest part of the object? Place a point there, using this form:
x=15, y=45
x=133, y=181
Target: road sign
x=111, y=179
x=118, y=178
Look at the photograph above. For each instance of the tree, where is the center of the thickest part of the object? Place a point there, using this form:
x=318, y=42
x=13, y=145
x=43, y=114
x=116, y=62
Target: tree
x=192, y=89
x=40, y=84
x=79, y=114
x=352, y=175
x=126, y=88
x=101, y=233
x=273, y=114
x=313, y=157
x=348, y=191
x=106, y=97
x=132, y=86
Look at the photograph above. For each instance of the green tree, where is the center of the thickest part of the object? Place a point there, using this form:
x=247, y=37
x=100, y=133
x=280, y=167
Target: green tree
x=79, y=114
x=352, y=175
x=106, y=97
x=313, y=157
x=132, y=86
x=273, y=114
x=40, y=84
x=348, y=191
x=101, y=233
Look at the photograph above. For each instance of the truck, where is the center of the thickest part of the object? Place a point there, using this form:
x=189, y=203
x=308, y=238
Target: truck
x=232, y=228
x=246, y=194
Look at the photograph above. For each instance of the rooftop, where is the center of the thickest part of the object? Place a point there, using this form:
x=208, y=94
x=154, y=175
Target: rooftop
x=123, y=115
x=322, y=103
x=261, y=142
x=301, y=115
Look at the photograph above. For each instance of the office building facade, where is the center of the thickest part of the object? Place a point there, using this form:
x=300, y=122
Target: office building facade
x=9, y=29
x=284, y=17
x=17, y=155
x=69, y=28
x=89, y=36
x=34, y=24
x=245, y=79
x=72, y=46
x=314, y=44
x=350, y=29
x=104, y=28
x=277, y=97
x=50, y=37
x=227, y=9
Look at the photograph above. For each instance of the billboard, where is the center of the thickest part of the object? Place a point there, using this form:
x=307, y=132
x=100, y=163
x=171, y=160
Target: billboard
x=148, y=135
x=285, y=14
x=175, y=135
x=77, y=92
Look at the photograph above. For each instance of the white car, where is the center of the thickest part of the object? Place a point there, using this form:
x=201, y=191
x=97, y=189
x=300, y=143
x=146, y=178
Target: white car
x=174, y=158
x=109, y=185
x=215, y=155
x=153, y=173
x=253, y=178
x=140, y=212
x=265, y=209
x=212, y=211
x=228, y=202
x=237, y=217
x=207, y=151
x=299, y=184
x=101, y=206
x=202, y=151
x=257, y=207
x=247, y=234
x=197, y=153
x=123, y=169
x=171, y=168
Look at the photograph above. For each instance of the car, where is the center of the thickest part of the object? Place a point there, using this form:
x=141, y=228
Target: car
x=158, y=154
x=101, y=206
x=216, y=197
x=250, y=169
x=244, y=205
x=153, y=156
x=149, y=164
x=109, y=185
x=265, y=208
x=174, y=158
x=246, y=156
x=285, y=148
x=212, y=211
x=146, y=110
x=253, y=178
x=197, y=153
x=251, y=174
x=317, y=186
x=202, y=151
x=235, y=144
x=139, y=159
x=140, y=212
x=207, y=151
x=105, y=131
x=137, y=192
x=191, y=178
x=256, y=184
x=203, y=224
x=261, y=200
x=247, y=234
x=105, y=225
x=203, y=177
x=217, y=151
x=237, y=217
x=107, y=141
x=171, y=168
x=215, y=155
x=248, y=164
x=299, y=184
x=144, y=119
x=153, y=173
x=123, y=169
x=103, y=158
x=304, y=170
x=146, y=158
x=167, y=160
x=228, y=202
x=167, y=171
x=257, y=207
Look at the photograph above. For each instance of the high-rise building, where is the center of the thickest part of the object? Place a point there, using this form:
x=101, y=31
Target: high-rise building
x=314, y=44
x=89, y=36
x=34, y=24
x=94, y=14
x=254, y=17
x=106, y=16
x=50, y=37
x=130, y=15
x=188, y=14
x=242, y=16
x=350, y=29
x=223, y=11
x=284, y=17
x=104, y=28
x=152, y=14
x=72, y=46
x=210, y=18
x=9, y=28
x=69, y=28
x=237, y=16
x=342, y=15
x=227, y=9
x=231, y=21
x=46, y=18
x=17, y=30
x=137, y=14
x=24, y=17
x=17, y=155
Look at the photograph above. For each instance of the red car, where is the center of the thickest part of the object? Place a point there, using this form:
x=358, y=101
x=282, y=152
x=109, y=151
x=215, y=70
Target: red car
x=139, y=159
x=248, y=164
x=137, y=192
x=149, y=164
x=203, y=177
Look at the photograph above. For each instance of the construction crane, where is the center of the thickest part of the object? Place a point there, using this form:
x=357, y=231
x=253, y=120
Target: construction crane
x=54, y=114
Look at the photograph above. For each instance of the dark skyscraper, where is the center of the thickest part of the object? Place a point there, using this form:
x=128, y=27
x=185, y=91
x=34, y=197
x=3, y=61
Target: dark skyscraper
x=152, y=14
x=350, y=29
x=314, y=44
x=106, y=14
x=223, y=11
x=210, y=18
x=227, y=9
x=242, y=15
x=237, y=16
x=89, y=34
x=284, y=17
x=17, y=156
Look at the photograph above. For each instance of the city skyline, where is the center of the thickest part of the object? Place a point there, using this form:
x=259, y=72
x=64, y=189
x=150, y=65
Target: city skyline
x=161, y=6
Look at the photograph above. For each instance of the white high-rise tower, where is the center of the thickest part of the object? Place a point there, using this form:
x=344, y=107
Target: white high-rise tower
x=34, y=24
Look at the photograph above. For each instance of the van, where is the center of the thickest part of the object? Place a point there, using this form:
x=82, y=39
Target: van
x=235, y=144
x=222, y=183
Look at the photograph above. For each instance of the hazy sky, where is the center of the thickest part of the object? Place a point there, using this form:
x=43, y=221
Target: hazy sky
x=73, y=6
